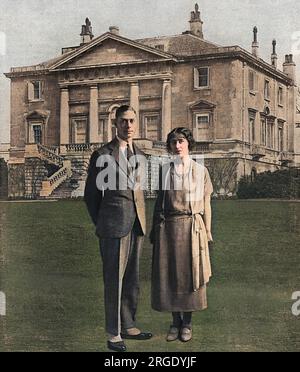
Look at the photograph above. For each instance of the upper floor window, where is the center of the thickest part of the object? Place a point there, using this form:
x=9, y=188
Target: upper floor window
x=280, y=96
x=201, y=77
x=34, y=90
x=267, y=90
x=263, y=133
x=252, y=81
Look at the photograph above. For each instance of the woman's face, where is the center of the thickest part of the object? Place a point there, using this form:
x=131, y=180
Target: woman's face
x=180, y=146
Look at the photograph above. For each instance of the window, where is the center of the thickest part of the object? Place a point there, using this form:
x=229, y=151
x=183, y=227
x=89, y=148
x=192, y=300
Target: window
x=267, y=90
x=37, y=133
x=201, y=77
x=203, y=129
x=101, y=129
x=151, y=124
x=251, y=130
x=263, y=132
x=280, y=139
x=280, y=135
x=280, y=96
x=35, y=91
x=79, y=131
x=252, y=81
x=202, y=120
x=253, y=174
x=270, y=134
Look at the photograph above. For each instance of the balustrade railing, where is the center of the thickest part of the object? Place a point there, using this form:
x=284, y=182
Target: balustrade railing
x=50, y=155
x=56, y=179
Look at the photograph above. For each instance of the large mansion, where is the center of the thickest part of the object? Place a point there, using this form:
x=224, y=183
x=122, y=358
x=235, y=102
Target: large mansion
x=241, y=109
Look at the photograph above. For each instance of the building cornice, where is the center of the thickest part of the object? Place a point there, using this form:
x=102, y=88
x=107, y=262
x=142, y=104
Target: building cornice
x=236, y=52
x=232, y=52
x=127, y=79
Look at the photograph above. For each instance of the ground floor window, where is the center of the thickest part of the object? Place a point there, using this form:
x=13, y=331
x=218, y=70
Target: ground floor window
x=35, y=133
x=79, y=130
x=202, y=127
x=152, y=126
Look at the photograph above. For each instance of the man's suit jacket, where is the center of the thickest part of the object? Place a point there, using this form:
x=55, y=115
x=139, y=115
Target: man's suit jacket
x=113, y=212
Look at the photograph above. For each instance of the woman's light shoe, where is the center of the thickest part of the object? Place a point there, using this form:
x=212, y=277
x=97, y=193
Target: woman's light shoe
x=173, y=334
x=185, y=334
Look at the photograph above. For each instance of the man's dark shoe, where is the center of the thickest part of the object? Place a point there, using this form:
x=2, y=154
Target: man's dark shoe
x=140, y=337
x=119, y=347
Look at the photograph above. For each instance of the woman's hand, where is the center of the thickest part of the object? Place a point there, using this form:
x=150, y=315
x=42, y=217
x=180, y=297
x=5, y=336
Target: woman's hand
x=209, y=236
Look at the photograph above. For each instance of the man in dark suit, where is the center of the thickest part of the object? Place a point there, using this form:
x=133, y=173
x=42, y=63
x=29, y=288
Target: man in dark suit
x=118, y=213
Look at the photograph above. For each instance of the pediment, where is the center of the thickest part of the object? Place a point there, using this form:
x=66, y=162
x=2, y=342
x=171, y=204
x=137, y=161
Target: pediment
x=202, y=105
x=110, y=49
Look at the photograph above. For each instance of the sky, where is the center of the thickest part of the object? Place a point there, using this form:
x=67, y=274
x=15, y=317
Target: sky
x=33, y=31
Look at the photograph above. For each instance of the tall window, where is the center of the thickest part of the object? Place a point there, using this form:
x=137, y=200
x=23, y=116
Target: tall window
x=34, y=90
x=151, y=125
x=280, y=136
x=270, y=134
x=267, y=89
x=79, y=131
x=37, y=89
x=263, y=132
x=280, y=96
x=252, y=80
x=37, y=133
x=202, y=125
x=101, y=129
x=201, y=77
x=252, y=130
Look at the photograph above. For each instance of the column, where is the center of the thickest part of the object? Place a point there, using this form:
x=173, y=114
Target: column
x=94, y=115
x=135, y=103
x=166, y=109
x=64, y=117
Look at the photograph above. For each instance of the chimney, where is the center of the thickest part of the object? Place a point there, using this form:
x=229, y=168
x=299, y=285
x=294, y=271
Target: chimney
x=114, y=30
x=274, y=57
x=196, y=23
x=86, y=32
x=289, y=67
x=255, y=45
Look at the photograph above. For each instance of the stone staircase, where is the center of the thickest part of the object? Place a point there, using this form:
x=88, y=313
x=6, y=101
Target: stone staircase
x=61, y=175
x=73, y=187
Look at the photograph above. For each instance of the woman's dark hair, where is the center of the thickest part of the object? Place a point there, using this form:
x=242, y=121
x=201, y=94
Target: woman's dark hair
x=181, y=131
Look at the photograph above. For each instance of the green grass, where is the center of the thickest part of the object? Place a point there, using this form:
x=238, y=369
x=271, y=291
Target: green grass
x=50, y=270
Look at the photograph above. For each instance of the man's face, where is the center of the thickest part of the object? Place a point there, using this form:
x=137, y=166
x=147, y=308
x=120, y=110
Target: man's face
x=126, y=125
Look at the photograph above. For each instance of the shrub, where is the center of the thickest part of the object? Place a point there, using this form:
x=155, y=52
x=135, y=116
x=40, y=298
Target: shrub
x=280, y=184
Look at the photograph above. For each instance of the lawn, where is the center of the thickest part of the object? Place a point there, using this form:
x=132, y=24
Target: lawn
x=50, y=271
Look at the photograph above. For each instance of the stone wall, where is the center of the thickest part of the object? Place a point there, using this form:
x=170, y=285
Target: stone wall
x=16, y=181
x=3, y=179
x=35, y=172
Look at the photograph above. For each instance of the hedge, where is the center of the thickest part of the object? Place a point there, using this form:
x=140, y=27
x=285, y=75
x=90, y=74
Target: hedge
x=280, y=184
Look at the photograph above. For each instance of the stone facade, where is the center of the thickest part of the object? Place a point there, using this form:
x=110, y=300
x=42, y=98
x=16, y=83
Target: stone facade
x=241, y=109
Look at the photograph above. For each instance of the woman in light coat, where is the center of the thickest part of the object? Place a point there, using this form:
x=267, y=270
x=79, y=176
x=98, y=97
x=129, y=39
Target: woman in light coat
x=180, y=235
